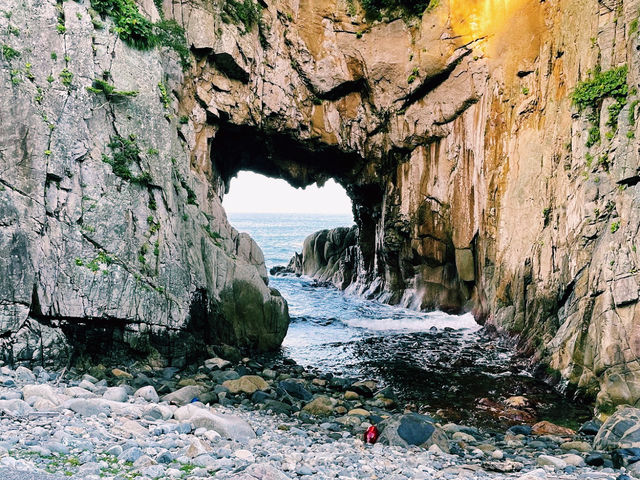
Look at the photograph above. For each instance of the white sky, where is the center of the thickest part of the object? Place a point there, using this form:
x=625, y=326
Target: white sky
x=250, y=192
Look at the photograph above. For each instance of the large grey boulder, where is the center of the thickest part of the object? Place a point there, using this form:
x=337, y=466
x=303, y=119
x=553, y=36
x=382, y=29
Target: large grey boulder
x=15, y=407
x=87, y=407
x=116, y=394
x=228, y=426
x=621, y=430
x=183, y=396
x=412, y=429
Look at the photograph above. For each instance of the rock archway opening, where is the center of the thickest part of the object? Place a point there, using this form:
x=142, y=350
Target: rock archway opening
x=279, y=216
x=399, y=258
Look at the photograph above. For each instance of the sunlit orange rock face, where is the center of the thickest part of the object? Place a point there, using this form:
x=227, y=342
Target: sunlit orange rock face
x=475, y=19
x=455, y=136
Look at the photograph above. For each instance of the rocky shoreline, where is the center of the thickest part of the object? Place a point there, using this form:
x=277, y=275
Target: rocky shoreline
x=253, y=419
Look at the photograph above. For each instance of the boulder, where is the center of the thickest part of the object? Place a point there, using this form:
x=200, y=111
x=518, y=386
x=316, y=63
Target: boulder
x=15, y=407
x=197, y=447
x=412, y=429
x=296, y=389
x=43, y=391
x=623, y=457
x=548, y=460
x=147, y=393
x=228, y=426
x=621, y=430
x=116, y=394
x=217, y=363
x=184, y=395
x=247, y=384
x=25, y=375
x=87, y=407
x=576, y=445
x=321, y=406
x=77, y=392
x=365, y=388
x=548, y=428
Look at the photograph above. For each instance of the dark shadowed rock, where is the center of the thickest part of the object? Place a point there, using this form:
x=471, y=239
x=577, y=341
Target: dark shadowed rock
x=413, y=429
x=295, y=389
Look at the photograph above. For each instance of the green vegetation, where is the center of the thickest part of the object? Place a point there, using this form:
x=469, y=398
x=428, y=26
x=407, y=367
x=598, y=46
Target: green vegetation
x=414, y=74
x=615, y=226
x=187, y=468
x=139, y=32
x=27, y=71
x=15, y=76
x=102, y=259
x=67, y=77
x=125, y=152
x=603, y=162
x=102, y=86
x=525, y=90
x=191, y=195
x=589, y=94
x=9, y=53
x=245, y=12
x=375, y=8
x=632, y=112
x=164, y=95
x=184, y=119
x=594, y=136
x=588, y=159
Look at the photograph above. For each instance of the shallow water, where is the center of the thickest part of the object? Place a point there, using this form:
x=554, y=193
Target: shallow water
x=434, y=360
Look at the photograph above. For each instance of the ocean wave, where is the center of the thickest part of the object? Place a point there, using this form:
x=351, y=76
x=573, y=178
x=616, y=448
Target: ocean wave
x=424, y=323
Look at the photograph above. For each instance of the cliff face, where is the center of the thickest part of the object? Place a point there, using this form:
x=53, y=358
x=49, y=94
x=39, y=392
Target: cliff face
x=464, y=156
x=454, y=135
x=110, y=242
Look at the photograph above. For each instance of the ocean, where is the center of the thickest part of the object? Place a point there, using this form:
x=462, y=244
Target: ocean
x=432, y=359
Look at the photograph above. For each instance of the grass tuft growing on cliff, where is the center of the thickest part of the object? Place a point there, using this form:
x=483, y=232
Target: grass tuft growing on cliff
x=139, y=32
x=9, y=53
x=102, y=86
x=126, y=152
x=589, y=94
x=246, y=12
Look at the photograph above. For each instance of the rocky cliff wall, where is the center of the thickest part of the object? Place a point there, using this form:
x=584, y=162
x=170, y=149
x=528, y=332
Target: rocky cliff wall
x=458, y=142
x=453, y=133
x=110, y=243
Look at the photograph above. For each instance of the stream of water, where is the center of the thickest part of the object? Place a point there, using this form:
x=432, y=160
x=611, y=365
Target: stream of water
x=431, y=359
